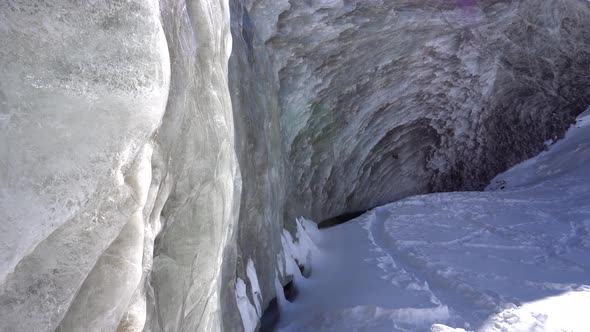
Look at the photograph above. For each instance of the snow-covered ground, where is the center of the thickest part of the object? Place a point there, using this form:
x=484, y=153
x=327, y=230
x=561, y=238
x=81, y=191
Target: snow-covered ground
x=515, y=257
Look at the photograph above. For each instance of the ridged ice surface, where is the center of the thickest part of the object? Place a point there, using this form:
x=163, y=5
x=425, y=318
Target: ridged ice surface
x=83, y=89
x=151, y=151
x=430, y=95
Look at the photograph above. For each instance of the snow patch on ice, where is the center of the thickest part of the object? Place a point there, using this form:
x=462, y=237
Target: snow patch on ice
x=246, y=309
x=299, y=251
x=256, y=292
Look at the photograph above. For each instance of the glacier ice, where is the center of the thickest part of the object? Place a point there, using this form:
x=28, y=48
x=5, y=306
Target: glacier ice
x=83, y=90
x=153, y=152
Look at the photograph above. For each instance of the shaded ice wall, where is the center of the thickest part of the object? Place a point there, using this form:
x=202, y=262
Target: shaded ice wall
x=384, y=99
x=254, y=90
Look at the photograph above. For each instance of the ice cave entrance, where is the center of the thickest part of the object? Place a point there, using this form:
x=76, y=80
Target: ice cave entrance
x=515, y=257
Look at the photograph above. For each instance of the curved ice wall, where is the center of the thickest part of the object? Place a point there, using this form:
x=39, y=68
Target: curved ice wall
x=144, y=171
x=384, y=99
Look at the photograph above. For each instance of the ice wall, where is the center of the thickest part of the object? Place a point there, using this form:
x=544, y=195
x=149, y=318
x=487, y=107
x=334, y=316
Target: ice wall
x=382, y=99
x=254, y=90
x=82, y=91
x=143, y=168
x=196, y=194
x=119, y=180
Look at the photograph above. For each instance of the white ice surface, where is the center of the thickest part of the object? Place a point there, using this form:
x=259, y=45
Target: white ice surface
x=515, y=257
x=246, y=309
x=256, y=292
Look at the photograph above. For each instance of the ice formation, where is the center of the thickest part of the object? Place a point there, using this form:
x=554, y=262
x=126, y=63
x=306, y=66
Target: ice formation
x=150, y=150
x=513, y=258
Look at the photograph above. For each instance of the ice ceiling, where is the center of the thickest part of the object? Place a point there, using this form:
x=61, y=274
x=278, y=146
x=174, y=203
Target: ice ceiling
x=405, y=97
x=150, y=149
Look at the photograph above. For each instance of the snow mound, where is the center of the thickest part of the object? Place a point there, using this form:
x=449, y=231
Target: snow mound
x=565, y=312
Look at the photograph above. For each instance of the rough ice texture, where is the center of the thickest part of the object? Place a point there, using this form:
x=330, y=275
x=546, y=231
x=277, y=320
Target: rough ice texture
x=82, y=92
x=142, y=167
x=431, y=95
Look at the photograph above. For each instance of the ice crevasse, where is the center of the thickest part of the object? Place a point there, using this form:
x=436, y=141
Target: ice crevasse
x=155, y=156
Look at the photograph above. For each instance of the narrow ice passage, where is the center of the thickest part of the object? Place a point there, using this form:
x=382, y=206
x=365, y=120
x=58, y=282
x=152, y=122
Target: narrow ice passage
x=472, y=260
